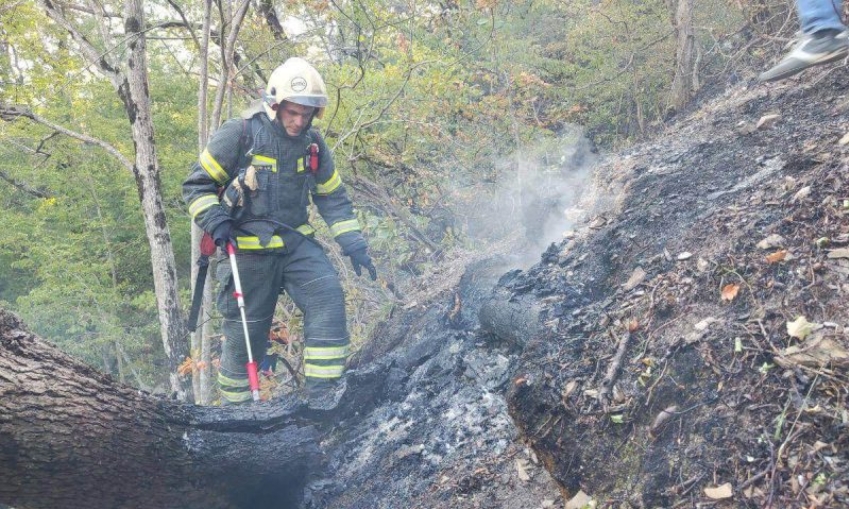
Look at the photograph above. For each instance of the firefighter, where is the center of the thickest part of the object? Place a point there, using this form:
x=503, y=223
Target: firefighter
x=269, y=164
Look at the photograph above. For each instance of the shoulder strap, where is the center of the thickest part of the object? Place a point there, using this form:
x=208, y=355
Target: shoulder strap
x=246, y=143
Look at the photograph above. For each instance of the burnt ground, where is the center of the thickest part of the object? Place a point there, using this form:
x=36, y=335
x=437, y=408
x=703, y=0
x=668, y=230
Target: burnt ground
x=722, y=231
x=662, y=372
x=439, y=434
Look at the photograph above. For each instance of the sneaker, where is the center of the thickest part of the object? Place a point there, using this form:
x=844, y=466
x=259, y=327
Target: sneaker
x=812, y=49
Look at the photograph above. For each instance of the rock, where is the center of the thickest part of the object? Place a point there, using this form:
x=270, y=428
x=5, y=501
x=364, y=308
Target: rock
x=839, y=253
x=720, y=492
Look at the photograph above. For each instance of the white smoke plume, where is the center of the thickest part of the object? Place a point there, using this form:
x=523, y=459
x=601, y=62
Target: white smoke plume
x=534, y=200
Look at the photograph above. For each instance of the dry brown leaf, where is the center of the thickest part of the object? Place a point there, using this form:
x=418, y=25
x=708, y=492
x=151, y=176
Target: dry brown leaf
x=729, y=291
x=818, y=352
x=663, y=416
x=767, y=121
x=186, y=367
x=777, y=256
x=637, y=277
x=720, y=492
x=839, y=253
x=772, y=241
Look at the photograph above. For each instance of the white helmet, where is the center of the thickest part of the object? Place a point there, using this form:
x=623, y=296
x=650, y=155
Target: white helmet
x=298, y=82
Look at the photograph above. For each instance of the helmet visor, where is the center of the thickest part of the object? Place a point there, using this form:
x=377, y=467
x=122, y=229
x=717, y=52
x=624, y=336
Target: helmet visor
x=303, y=100
x=308, y=100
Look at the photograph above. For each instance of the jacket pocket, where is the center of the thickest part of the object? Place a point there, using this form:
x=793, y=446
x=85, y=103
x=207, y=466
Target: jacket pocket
x=257, y=180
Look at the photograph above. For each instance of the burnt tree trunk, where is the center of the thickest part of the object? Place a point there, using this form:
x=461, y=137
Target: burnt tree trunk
x=73, y=437
x=510, y=316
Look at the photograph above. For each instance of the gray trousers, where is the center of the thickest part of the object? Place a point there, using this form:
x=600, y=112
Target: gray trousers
x=307, y=275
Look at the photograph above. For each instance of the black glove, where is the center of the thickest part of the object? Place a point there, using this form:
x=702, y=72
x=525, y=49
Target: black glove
x=221, y=233
x=360, y=259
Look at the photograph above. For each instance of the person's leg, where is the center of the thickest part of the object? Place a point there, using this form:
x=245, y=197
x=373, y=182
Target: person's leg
x=818, y=15
x=824, y=39
x=260, y=276
x=311, y=281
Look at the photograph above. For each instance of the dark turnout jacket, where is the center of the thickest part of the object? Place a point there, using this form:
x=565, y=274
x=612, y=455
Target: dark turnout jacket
x=280, y=186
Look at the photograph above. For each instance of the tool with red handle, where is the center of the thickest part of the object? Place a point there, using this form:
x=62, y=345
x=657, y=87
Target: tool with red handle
x=253, y=377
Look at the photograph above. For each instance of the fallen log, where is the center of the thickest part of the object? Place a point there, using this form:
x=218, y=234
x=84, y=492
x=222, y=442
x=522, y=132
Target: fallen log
x=71, y=436
x=510, y=317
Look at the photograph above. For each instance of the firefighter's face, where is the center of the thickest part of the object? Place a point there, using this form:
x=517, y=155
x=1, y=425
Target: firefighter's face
x=294, y=117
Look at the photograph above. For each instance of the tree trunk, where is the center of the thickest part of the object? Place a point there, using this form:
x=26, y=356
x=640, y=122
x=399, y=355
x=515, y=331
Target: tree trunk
x=73, y=437
x=136, y=100
x=201, y=351
x=133, y=92
x=682, y=83
x=513, y=319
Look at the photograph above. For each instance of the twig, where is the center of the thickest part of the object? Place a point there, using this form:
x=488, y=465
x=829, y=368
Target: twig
x=9, y=112
x=613, y=368
x=756, y=478
x=659, y=378
x=773, y=464
x=22, y=186
x=791, y=434
x=690, y=483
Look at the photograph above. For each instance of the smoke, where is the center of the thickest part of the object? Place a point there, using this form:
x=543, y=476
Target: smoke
x=534, y=200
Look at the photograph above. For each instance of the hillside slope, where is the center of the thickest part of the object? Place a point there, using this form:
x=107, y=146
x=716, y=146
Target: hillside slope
x=668, y=374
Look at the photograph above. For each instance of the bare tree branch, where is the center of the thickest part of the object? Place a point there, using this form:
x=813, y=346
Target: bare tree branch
x=24, y=187
x=185, y=21
x=88, y=49
x=384, y=200
x=87, y=10
x=227, y=56
x=266, y=10
x=10, y=113
x=43, y=141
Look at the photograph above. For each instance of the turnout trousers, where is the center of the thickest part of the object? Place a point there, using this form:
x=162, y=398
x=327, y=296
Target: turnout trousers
x=307, y=275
